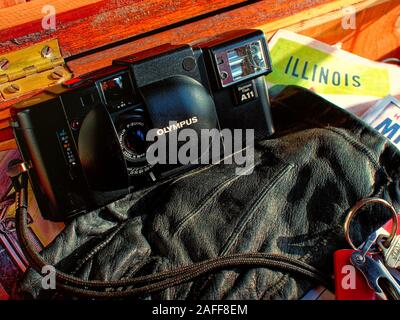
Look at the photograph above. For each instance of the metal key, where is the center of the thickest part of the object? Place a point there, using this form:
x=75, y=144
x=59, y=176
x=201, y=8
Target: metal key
x=392, y=253
x=370, y=262
x=375, y=272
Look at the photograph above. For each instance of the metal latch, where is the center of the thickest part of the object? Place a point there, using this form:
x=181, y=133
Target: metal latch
x=36, y=67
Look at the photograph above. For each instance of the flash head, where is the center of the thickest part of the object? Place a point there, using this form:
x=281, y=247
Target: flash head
x=238, y=56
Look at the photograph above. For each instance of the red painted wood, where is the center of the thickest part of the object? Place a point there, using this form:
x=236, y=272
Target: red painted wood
x=6, y=133
x=35, y=27
x=10, y=3
x=105, y=22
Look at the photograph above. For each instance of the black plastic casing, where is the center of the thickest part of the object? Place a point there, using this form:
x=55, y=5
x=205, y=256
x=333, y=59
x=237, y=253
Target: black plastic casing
x=57, y=194
x=68, y=135
x=71, y=170
x=173, y=85
x=254, y=114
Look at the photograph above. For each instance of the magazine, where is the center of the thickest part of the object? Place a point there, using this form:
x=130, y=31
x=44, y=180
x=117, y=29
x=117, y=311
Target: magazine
x=385, y=118
x=345, y=79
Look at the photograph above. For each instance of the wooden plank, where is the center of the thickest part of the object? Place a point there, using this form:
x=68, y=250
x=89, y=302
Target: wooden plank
x=10, y=3
x=30, y=14
x=97, y=23
x=377, y=33
x=254, y=16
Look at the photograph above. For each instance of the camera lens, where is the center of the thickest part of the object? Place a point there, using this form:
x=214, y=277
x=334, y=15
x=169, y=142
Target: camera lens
x=132, y=137
x=135, y=140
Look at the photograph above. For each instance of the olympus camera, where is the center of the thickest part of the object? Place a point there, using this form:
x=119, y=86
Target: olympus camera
x=84, y=141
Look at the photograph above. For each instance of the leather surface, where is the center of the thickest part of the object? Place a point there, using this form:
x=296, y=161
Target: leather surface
x=306, y=177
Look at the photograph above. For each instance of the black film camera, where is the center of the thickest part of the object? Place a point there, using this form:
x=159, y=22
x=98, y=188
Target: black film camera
x=84, y=141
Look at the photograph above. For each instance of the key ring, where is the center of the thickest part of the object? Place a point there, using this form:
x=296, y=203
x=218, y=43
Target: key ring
x=358, y=206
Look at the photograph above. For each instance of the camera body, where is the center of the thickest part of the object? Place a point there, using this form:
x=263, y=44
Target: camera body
x=84, y=141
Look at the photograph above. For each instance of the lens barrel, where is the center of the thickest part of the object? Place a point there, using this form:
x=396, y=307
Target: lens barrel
x=132, y=132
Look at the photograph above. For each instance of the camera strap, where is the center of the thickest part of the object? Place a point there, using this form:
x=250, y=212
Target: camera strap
x=142, y=285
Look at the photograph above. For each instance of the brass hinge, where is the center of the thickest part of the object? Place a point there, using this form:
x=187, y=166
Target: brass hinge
x=36, y=67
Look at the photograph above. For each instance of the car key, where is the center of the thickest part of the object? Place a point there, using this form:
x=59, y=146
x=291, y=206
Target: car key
x=391, y=252
x=377, y=275
x=368, y=261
